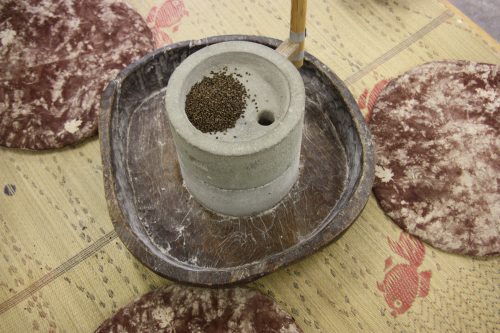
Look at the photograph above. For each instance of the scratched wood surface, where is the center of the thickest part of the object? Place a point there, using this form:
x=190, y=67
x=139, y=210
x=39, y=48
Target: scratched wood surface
x=64, y=269
x=171, y=233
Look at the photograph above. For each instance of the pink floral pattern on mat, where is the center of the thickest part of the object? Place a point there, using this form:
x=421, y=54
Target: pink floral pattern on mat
x=166, y=17
x=403, y=282
x=368, y=98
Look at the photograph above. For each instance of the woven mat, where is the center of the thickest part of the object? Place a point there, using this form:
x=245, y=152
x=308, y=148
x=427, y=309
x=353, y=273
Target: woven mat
x=64, y=268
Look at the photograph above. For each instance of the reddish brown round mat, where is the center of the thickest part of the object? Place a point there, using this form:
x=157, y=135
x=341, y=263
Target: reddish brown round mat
x=436, y=130
x=189, y=309
x=56, y=57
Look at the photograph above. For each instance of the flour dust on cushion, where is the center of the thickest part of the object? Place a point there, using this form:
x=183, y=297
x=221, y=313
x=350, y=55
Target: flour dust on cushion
x=404, y=282
x=188, y=309
x=57, y=56
x=437, y=135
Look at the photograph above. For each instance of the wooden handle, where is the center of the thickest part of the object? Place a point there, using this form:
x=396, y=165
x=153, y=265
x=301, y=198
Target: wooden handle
x=293, y=47
x=298, y=29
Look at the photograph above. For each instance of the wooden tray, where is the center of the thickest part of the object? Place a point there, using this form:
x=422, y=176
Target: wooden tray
x=167, y=230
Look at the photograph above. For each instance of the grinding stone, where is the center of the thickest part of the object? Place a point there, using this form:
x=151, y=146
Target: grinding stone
x=188, y=309
x=252, y=168
x=436, y=129
x=56, y=58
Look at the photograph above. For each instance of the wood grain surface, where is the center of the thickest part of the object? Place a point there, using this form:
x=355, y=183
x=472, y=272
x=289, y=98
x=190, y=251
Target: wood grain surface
x=65, y=270
x=171, y=233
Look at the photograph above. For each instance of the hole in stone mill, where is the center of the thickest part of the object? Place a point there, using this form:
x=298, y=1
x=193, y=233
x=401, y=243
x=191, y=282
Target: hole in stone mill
x=266, y=118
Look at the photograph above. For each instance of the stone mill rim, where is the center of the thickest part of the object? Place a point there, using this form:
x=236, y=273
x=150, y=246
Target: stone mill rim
x=174, y=100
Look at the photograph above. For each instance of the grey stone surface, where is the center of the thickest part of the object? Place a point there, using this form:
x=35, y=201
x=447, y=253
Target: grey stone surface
x=252, y=167
x=485, y=13
x=247, y=201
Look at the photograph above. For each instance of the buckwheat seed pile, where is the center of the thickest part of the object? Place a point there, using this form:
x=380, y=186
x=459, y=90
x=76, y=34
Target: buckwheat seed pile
x=216, y=102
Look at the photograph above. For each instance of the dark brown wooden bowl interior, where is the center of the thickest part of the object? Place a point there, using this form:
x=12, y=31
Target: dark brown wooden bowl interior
x=168, y=231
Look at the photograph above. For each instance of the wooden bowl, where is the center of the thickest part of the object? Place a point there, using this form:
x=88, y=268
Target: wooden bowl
x=169, y=232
